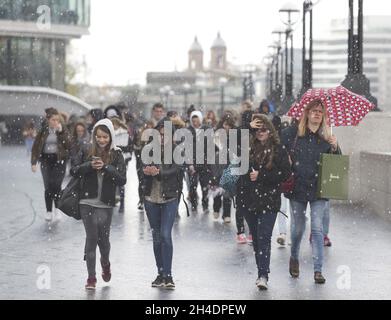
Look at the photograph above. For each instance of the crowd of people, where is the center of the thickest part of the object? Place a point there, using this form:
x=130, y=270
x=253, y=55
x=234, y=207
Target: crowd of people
x=99, y=146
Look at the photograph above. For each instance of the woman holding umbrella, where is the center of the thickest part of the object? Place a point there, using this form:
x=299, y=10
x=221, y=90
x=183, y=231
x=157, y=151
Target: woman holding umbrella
x=305, y=145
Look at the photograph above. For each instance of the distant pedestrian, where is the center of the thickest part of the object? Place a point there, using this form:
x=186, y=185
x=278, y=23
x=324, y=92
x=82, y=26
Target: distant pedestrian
x=29, y=135
x=157, y=113
x=80, y=140
x=210, y=119
x=125, y=143
x=51, y=148
x=92, y=117
x=101, y=170
x=198, y=172
x=137, y=147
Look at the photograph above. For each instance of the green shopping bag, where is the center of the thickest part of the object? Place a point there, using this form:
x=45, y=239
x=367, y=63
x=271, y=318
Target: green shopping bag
x=333, y=182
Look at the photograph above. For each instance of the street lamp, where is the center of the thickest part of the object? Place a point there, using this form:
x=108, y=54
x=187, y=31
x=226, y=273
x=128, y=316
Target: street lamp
x=289, y=14
x=278, y=32
x=248, y=82
x=306, y=82
x=265, y=62
x=201, y=87
x=355, y=80
x=186, y=89
x=276, y=93
x=268, y=62
x=222, y=81
x=171, y=94
x=165, y=91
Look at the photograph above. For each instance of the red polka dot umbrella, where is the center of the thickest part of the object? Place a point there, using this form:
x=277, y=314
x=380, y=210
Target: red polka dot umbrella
x=344, y=108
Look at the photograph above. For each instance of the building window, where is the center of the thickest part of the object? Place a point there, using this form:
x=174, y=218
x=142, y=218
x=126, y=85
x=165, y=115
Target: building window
x=72, y=12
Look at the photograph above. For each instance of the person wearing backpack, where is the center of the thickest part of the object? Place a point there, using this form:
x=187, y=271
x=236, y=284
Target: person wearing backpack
x=258, y=191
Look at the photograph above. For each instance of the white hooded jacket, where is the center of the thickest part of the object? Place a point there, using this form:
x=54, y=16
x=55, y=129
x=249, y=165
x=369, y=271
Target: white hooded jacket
x=107, y=123
x=200, y=116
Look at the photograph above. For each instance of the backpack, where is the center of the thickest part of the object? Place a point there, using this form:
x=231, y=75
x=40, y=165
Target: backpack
x=228, y=181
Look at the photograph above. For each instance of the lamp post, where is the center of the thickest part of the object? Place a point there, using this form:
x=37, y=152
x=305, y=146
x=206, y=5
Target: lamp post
x=165, y=91
x=306, y=82
x=276, y=92
x=355, y=80
x=186, y=89
x=171, y=94
x=279, y=31
x=289, y=14
x=248, y=83
x=222, y=81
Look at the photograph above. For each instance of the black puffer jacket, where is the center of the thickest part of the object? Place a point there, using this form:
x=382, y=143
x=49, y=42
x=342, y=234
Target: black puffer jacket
x=114, y=175
x=264, y=195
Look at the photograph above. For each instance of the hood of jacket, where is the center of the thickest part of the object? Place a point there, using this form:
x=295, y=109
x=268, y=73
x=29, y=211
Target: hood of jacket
x=107, y=123
x=197, y=114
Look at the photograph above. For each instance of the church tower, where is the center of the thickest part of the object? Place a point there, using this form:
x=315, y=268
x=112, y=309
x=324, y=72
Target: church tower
x=218, y=54
x=196, y=57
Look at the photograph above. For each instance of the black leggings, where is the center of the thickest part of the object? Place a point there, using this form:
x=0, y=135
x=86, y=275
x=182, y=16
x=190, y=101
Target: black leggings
x=97, y=222
x=53, y=173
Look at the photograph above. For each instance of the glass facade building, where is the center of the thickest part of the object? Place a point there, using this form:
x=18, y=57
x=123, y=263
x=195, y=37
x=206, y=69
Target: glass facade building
x=38, y=58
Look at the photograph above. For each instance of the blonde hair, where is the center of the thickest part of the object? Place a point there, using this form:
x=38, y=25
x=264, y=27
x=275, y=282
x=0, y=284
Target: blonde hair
x=118, y=123
x=324, y=130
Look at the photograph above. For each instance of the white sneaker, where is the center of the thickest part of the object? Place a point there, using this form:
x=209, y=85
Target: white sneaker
x=48, y=216
x=216, y=215
x=261, y=283
x=281, y=239
x=227, y=219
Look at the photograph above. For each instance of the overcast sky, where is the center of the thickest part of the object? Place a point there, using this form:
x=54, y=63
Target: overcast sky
x=129, y=38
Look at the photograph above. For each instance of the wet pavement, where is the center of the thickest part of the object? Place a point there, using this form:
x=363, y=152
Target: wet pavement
x=45, y=261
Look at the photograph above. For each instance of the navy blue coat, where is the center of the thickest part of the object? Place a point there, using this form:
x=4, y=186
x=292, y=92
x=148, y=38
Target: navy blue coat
x=305, y=157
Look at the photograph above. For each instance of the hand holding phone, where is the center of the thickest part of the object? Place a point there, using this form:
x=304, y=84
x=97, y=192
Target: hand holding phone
x=97, y=163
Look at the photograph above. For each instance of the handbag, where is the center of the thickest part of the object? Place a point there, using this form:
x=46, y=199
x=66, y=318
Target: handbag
x=287, y=186
x=333, y=182
x=69, y=199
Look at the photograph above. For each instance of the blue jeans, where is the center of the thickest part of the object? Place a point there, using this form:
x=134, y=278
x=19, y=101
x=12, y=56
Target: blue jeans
x=298, y=210
x=261, y=227
x=326, y=219
x=161, y=218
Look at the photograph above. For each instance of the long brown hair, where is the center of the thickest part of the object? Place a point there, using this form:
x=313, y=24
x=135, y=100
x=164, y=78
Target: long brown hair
x=303, y=124
x=106, y=155
x=74, y=133
x=263, y=155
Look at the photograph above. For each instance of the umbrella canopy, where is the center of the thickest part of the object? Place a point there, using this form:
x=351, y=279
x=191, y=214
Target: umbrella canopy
x=343, y=107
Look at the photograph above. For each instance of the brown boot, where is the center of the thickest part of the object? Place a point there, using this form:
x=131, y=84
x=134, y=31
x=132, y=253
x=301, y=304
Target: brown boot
x=319, y=278
x=294, y=268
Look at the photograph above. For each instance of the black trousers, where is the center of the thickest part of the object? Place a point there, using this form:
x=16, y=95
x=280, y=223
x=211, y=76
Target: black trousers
x=201, y=176
x=226, y=203
x=140, y=175
x=53, y=172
